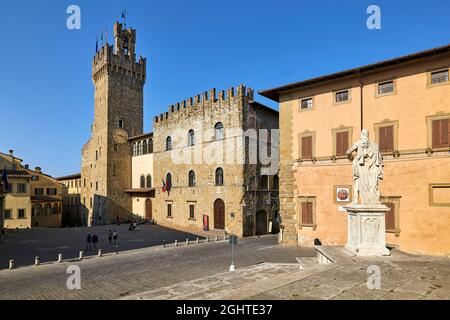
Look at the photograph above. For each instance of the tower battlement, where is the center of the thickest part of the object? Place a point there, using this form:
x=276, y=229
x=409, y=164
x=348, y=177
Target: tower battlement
x=120, y=59
x=208, y=99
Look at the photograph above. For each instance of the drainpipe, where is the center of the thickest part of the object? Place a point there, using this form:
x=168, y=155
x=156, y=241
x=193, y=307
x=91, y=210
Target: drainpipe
x=361, y=86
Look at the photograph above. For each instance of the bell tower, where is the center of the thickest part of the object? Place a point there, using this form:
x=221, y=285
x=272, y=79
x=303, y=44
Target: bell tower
x=119, y=80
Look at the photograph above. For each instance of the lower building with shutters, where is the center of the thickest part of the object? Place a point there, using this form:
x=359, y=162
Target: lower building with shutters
x=405, y=105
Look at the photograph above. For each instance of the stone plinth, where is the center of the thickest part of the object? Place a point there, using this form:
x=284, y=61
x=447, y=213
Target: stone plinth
x=366, y=230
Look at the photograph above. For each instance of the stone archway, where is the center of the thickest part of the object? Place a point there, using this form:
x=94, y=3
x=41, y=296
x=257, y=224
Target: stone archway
x=148, y=209
x=219, y=214
x=261, y=223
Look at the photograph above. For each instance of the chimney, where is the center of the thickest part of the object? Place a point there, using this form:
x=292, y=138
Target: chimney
x=38, y=169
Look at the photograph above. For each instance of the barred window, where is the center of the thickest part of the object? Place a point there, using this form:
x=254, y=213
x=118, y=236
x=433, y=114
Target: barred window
x=439, y=76
x=306, y=103
x=342, y=96
x=386, y=87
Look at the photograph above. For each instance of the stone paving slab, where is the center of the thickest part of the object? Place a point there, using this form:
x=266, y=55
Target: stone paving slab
x=402, y=277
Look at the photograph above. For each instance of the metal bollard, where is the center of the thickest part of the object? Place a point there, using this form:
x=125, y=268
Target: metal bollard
x=81, y=255
x=207, y=239
x=100, y=253
x=11, y=264
x=176, y=243
x=60, y=258
x=37, y=261
x=164, y=243
x=217, y=238
x=197, y=241
x=187, y=241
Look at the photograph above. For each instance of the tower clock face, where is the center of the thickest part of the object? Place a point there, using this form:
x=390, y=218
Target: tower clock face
x=120, y=136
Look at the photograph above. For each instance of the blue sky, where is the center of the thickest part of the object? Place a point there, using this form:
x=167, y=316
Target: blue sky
x=46, y=92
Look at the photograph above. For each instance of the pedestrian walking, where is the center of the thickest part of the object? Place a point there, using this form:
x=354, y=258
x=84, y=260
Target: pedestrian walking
x=94, y=241
x=88, y=242
x=116, y=241
x=110, y=236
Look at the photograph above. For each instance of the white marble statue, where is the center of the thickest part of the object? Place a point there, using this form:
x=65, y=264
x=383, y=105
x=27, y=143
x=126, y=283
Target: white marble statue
x=368, y=170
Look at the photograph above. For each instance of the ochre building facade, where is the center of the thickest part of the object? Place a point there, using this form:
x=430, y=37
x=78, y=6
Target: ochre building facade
x=405, y=105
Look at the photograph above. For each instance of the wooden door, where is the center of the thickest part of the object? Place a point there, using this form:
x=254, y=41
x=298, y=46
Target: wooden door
x=219, y=214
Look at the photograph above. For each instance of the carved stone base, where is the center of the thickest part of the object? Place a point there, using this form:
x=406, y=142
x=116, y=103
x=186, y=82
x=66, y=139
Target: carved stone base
x=366, y=230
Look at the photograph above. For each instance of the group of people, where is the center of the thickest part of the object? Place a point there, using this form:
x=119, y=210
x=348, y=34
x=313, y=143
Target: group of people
x=92, y=240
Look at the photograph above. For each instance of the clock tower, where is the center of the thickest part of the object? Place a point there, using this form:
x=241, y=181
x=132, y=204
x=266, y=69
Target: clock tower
x=119, y=80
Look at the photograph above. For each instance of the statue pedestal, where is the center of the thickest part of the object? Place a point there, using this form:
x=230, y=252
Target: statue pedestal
x=366, y=230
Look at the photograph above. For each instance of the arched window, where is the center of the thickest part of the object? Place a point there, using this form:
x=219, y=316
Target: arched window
x=169, y=181
x=142, y=182
x=55, y=208
x=191, y=138
x=145, y=147
x=168, y=143
x=150, y=146
x=191, y=179
x=149, y=182
x=134, y=149
x=218, y=131
x=48, y=209
x=139, y=149
x=219, y=177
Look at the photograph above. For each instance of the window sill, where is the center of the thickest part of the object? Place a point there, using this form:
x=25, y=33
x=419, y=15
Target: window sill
x=169, y=217
x=313, y=226
x=396, y=232
x=192, y=219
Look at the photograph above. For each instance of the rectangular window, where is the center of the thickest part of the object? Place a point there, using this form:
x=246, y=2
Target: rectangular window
x=306, y=104
x=21, y=213
x=342, y=143
x=21, y=188
x=307, y=213
x=391, y=224
x=96, y=186
x=90, y=202
x=386, y=87
x=306, y=149
x=439, y=77
x=386, y=138
x=39, y=192
x=34, y=178
x=342, y=96
x=264, y=183
x=121, y=124
x=11, y=187
x=192, y=212
x=440, y=133
x=169, y=210
x=51, y=191
x=8, y=214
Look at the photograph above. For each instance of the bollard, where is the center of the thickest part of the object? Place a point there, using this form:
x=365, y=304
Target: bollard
x=197, y=241
x=60, y=258
x=217, y=238
x=11, y=264
x=187, y=241
x=37, y=261
x=207, y=239
x=81, y=256
x=164, y=243
x=100, y=253
x=176, y=243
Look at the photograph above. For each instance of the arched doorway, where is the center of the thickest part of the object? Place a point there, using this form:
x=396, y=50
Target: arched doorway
x=261, y=223
x=148, y=209
x=219, y=214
